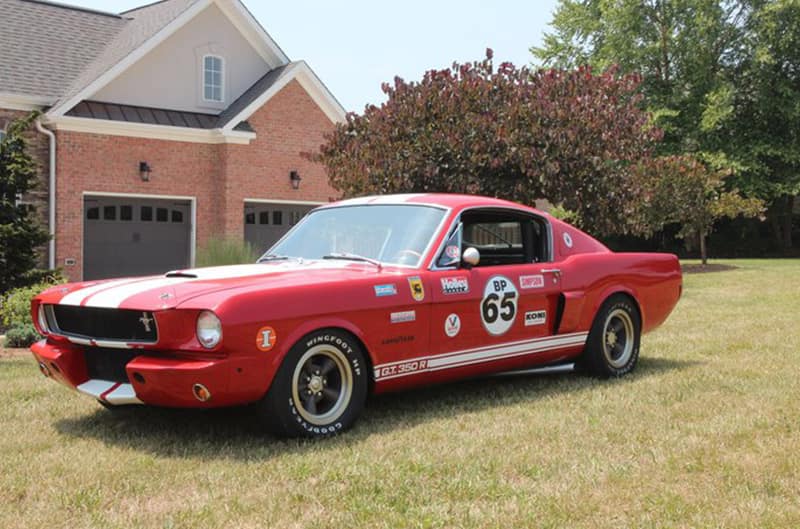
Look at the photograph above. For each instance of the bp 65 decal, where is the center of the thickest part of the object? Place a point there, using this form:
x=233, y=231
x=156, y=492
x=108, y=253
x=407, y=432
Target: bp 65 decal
x=499, y=305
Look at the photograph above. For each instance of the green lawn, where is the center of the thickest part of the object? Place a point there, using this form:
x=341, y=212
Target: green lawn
x=706, y=433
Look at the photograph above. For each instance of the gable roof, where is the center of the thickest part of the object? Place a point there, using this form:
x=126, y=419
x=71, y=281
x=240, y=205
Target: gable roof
x=75, y=52
x=44, y=47
x=140, y=25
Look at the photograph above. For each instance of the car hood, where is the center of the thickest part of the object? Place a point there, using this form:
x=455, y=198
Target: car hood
x=172, y=289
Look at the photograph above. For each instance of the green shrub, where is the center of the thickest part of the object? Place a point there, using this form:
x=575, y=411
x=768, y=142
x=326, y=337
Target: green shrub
x=22, y=336
x=15, y=306
x=220, y=251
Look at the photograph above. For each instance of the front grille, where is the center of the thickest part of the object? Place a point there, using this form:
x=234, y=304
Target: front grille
x=106, y=324
x=104, y=363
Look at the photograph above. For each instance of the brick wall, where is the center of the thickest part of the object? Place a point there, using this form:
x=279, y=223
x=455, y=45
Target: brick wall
x=219, y=176
x=39, y=149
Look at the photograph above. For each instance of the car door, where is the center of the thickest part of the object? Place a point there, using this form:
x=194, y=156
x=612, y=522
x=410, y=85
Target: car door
x=500, y=313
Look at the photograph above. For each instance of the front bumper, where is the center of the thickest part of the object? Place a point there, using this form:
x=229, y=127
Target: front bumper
x=157, y=378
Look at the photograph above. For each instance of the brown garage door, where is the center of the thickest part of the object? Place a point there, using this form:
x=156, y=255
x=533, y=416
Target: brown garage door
x=265, y=223
x=135, y=236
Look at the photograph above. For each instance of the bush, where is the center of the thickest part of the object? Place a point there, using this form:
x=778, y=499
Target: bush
x=220, y=251
x=15, y=306
x=22, y=336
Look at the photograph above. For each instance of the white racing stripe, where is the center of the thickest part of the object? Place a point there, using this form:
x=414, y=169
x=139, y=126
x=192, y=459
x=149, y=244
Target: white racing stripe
x=113, y=294
x=477, y=355
x=95, y=387
x=124, y=394
x=114, y=297
x=75, y=298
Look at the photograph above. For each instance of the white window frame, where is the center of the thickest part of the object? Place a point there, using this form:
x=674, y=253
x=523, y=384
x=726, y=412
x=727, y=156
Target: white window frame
x=221, y=60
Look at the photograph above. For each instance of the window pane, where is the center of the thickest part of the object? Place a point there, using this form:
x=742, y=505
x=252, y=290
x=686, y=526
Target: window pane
x=263, y=217
x=277, y=218
x=161, y=214
x=93, y=213
x=177, y=216
x=109, y=213
x=125, y=213
x=249, y=218
x=147, y=213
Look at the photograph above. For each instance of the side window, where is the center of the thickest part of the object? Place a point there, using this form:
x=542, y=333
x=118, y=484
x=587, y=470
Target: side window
x=505, y=237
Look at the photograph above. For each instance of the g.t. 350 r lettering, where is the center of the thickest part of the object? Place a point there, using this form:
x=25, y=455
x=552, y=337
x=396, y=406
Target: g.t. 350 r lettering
x=363, y=296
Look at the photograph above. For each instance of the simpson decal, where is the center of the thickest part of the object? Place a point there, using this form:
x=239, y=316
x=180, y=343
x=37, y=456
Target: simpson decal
x=453, y=252
x=455, y=285
x=266, y=339
x=536, y=281
x=452, y=325
x=417, y=290
x=401, y=317
x=499, y=305
x=385, y=290
x=536, y=317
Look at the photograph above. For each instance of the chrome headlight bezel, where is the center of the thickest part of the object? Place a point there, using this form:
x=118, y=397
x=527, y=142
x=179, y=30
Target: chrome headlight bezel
x=41, y=319
x=208, y=329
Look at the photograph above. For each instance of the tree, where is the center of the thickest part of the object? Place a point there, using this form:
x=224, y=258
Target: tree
x=754, y=117
x=682, y=189
x=573, y=137
x=20, y=232
x=720, y=76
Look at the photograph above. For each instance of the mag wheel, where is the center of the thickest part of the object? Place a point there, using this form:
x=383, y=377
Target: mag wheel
x=320, y=387
x=612, y=348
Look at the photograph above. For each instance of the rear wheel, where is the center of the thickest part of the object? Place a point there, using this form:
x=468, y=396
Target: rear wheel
x=320, y=388
x=612, y=349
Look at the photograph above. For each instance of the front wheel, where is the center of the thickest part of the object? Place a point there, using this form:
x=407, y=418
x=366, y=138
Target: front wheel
x=612, y=349
x=320, y=388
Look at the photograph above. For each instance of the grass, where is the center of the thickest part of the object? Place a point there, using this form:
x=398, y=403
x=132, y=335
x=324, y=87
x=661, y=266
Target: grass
x=706, y=433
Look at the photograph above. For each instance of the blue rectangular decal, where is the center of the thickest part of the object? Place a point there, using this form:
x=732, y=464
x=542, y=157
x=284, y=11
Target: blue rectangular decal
x=385, y=290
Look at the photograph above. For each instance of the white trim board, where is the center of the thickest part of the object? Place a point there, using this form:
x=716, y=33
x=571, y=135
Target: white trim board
x=192, y=207
x=147, y=130
x=23, y=102
x=310, y=83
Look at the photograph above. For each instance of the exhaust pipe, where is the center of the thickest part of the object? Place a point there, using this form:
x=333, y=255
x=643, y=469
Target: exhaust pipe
x=45, y=370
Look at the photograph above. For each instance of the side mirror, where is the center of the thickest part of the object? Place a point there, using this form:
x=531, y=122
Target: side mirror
x=471, y=257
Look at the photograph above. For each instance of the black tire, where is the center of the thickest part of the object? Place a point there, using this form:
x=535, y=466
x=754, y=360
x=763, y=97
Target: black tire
x=612, y=349
x=319, y=389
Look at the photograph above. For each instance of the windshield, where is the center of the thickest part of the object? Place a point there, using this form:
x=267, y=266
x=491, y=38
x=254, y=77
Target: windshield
x=392, y=234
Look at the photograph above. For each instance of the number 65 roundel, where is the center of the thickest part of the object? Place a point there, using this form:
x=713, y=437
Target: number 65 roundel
x=499, y=305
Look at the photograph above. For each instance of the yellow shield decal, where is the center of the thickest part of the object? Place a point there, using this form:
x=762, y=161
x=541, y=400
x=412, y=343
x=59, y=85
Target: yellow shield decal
x=417, y=290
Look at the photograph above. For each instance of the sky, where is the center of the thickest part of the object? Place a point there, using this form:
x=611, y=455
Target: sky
x=355, y=45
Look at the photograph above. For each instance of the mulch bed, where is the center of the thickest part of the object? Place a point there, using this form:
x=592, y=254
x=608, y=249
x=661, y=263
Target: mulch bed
x=700, y=269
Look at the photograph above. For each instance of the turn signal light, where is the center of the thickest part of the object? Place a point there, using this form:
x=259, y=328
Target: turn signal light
x=201, y=393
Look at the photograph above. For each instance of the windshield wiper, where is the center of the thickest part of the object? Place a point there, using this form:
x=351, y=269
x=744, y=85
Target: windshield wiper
x=354, y=257
x=272, y=257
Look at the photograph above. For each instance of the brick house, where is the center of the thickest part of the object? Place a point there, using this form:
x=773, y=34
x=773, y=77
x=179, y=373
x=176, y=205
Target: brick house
x=161, y=127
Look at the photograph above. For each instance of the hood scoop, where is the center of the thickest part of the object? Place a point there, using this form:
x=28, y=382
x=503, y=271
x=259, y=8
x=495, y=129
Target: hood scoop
x=179, y=273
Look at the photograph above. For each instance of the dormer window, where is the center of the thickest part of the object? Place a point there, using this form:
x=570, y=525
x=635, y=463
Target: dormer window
x=213, y=75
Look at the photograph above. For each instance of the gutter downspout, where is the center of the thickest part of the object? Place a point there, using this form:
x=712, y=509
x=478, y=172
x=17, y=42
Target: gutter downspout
x=51, y=257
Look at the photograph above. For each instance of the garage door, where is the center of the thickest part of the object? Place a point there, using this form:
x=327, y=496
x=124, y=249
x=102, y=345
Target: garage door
x=265, y=223
x=134, y=236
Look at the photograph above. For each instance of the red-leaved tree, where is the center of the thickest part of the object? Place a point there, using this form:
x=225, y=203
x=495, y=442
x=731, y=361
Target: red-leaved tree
x=572, y=137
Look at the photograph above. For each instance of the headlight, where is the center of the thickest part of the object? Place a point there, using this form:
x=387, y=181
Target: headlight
x=42, y=317
x=209, y=329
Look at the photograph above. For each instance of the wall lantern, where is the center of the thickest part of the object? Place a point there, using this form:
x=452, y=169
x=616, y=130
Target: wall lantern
x=294, y=178
x=144, y=171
